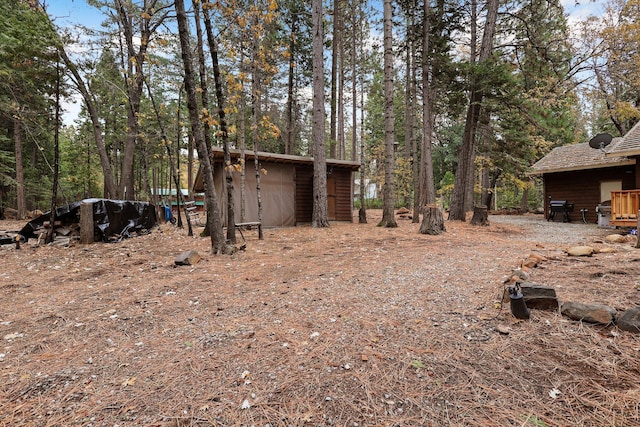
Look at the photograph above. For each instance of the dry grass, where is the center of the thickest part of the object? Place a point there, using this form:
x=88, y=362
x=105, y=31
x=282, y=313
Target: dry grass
x=348, y=326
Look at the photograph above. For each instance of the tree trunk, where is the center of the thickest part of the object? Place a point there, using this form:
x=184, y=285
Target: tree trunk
x=242, y=139
x=408, y=102
x=217, y=79
x=354, y=92
x=256, y=81
x=110, y=188
x=524, y=202
x=21, y=200
x=172, y=167
x=463, y=188
x=480, y=216
x=320, y=216
x=56, y=159
x=362, y=213
x=427, y=181
x=388, y=217
x=335, y=59
x=341, y=140
x=214, y=223
x=289, y=127
x=432, y=221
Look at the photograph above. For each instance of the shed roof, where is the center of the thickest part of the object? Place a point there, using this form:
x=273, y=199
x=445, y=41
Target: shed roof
x=578, y=157
x=629, y=144
x=218, y=154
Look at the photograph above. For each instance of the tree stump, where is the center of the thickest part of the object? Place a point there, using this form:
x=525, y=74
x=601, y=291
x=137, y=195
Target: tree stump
x=480, y=216
x=432, y=221
x=86, y=223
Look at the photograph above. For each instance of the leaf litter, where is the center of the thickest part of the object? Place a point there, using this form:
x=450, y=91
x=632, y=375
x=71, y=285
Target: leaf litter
x=351, y=325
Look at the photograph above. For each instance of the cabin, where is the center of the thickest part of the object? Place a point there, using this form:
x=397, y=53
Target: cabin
x=625, y=201
x=286, y=188
x=584, y=178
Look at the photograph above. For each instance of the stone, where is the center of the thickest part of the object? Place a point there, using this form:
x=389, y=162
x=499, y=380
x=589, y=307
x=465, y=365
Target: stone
x=580, y=251
x=616, y=238
x=187, y=258
x=630, y=320
x=520, y=274
x=607, y=250
x=591, y=313
x=502, y=329
x=533, y=260
x=538, y=297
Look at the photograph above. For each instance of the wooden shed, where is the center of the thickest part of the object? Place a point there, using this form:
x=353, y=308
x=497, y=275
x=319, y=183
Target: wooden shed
x=286, y=184
x=584, y=177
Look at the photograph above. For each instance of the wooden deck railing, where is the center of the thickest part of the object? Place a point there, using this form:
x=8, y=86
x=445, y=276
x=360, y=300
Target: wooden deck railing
x=624, y=208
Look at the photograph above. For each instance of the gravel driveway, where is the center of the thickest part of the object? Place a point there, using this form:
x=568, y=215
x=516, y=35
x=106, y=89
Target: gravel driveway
x=538, y=229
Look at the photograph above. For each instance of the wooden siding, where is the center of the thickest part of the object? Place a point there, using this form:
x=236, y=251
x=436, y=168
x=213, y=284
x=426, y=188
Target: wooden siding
x=344, y=195
x=304, y=194
x=582, y=188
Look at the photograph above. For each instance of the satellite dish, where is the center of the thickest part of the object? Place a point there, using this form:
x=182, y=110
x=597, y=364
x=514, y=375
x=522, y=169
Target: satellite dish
x=600, y=141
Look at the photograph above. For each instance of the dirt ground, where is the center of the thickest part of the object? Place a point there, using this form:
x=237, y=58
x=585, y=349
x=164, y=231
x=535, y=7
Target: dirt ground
x=353, y=325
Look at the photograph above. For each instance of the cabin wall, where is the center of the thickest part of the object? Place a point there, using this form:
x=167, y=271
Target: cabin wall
x=582, y=188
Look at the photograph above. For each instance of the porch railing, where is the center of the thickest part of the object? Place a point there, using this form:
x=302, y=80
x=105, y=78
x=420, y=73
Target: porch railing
x=624, y=207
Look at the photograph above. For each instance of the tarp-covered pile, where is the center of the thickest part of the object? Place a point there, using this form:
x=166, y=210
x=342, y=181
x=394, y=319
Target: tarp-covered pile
x=113, y=220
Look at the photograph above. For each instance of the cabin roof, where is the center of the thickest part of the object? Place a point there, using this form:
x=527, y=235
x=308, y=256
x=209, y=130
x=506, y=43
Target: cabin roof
x=576, y=157
x=629, y=144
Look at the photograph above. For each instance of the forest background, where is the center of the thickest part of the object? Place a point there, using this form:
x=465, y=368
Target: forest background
x=447, y=101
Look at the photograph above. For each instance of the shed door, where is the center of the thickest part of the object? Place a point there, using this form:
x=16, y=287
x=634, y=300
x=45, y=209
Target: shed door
x=606, y=187
x=331, y=197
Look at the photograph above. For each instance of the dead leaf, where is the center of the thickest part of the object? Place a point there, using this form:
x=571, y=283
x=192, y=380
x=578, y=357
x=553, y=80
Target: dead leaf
x=129, y=382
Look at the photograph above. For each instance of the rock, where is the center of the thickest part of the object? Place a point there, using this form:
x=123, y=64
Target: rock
x=630, y=320
x=187, y=258
x=538, y=297
x=615, y=238
x=502, y=329
x=532, y=260
x=592, y=313
x=607, y=250
x=520, y=274
x=580, y=251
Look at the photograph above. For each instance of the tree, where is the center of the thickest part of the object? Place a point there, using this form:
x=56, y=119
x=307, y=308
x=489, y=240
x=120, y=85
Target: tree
x=427, y=185
x=224, y=135
x=298, y=55
x=462, y=199
x=615, y=66
x=27, y=87
x=214, y=222
x=320, y=215
x=388, y=213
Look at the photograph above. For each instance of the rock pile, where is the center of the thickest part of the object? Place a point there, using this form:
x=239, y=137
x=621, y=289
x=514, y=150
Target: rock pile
x=542, y=297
